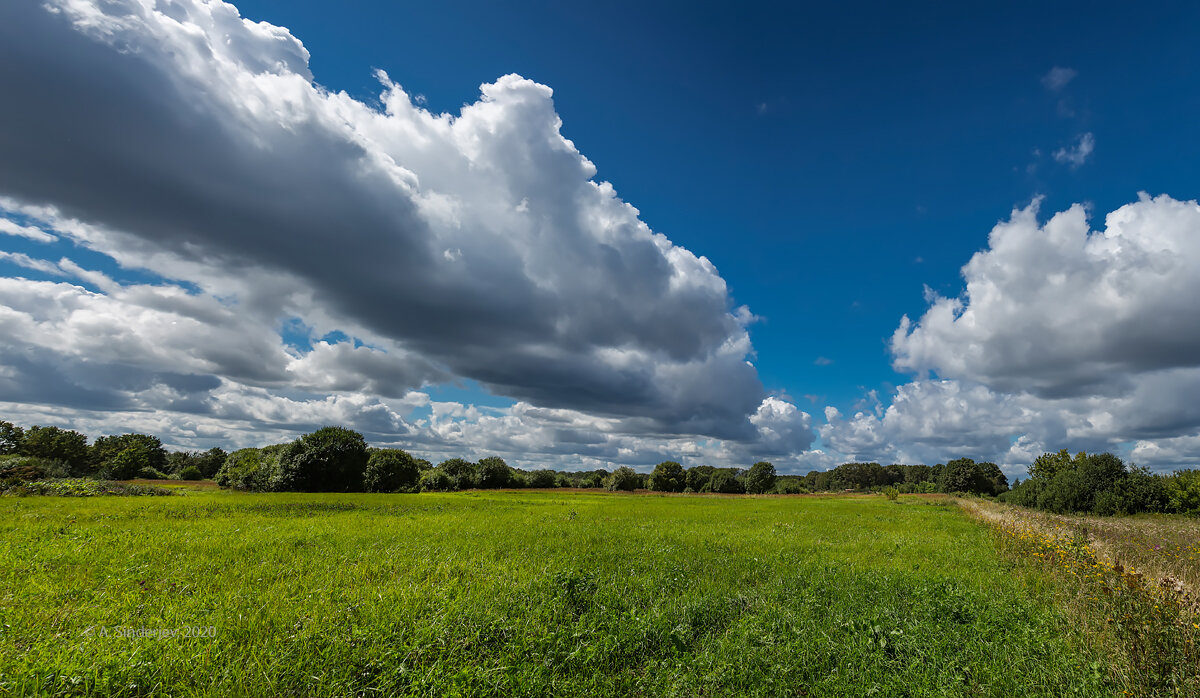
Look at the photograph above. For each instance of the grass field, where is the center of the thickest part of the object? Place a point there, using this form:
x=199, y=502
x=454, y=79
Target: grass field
x=524, y=593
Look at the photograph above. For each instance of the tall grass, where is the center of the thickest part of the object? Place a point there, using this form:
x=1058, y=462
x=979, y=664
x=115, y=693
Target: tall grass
x=524, y=593
x=1147, y=621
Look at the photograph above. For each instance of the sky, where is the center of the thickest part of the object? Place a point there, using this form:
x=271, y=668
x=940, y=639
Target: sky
x=583, y=236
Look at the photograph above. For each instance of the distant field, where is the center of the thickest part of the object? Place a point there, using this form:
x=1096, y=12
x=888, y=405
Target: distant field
x=524, y=593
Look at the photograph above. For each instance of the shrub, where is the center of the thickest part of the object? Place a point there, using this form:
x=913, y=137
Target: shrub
x=151, y=474
x=492, y=473
x=191, y=472
x=28, y=468
x=80, y=487
x=593, y=481
x=563, y=481
x=789, y=486
x=760, y=478
x=891, y=493
x=331, y=459
x=208, y=462
x=623, y=479
x=1183, y=491
x=249, y=468
x=390, y=470
x=436, y=480
x=668, y=476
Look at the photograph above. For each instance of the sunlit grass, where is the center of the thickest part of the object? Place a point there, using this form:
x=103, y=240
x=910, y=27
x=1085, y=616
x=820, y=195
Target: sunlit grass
x=525, y=593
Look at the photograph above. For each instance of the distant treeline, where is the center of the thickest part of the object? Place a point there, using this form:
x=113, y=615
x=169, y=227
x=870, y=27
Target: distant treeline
x=334, y=459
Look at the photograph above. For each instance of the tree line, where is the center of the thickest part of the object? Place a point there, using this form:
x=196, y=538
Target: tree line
x=335, y=459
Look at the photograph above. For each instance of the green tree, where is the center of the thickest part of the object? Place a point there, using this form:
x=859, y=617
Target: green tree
x=965, y=475
x=331, y=459
x=1183, y=491
x=390, y=470
x=53, y=443
x=1047, y=465
x=623, y=479
x=123, y=456
x=493, y=473
x=698, y=477
x=760, y=478
x=11, y=437
x=668, y=476
x=725, y=481
x=461, y=472
x=542, y=479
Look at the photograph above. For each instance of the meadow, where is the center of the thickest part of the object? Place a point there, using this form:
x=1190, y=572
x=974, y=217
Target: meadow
x=217, y=593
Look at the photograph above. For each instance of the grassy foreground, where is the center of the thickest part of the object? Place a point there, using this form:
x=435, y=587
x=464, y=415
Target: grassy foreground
x=522, y=593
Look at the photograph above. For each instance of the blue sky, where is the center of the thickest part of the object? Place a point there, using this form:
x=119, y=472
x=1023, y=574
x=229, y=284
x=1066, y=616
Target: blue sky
x=838, y=166
x=831, y=161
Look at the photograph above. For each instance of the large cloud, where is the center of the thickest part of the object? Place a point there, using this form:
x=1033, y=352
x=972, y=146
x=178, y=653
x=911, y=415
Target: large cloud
x=300, y=258
x=181, y=138
x=1060, y=310
x=1063, y=338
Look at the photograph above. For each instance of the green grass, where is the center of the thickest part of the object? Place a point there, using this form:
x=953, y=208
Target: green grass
x=523, y=593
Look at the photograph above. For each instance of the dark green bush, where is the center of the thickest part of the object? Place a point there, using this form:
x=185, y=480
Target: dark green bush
x=436, y=480
x=249, y=468
x=151, y=474
x=331, y=459
x=53, y=443
x=789, y=486
x=191, y=472
x=725, y=482
x=542, y=479
x=122, y=457
x=492, y=473
x=461, y=473
x=1138, y=491
x=390, y=470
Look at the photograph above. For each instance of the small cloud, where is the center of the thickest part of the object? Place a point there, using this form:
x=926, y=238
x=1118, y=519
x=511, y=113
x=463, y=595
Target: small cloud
x=822, y=361
x=8, y=227
x=918, y=260
x=1078, y=154
x=1058, y=78
x=761, y=108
